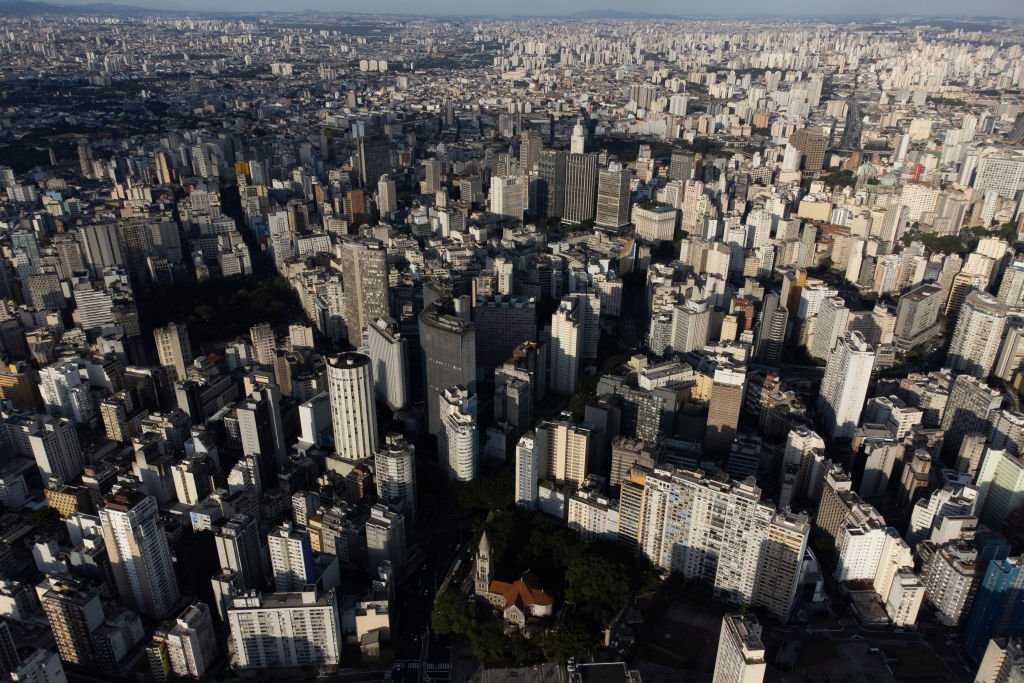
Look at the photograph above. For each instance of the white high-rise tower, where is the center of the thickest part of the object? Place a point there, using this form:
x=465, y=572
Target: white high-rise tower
x=845, y=385
x=353, y=413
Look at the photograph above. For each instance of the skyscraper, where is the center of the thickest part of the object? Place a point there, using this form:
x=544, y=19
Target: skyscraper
x=353, y=411
x=507, y=197
x=388, y=350
x=286, y=630
x=724, y=406
x=387, y=198
x=613, y=197
x=173, y=348
x=364, y=267
x=830, y=325
x=1000, y=485
x=812, y=144
x=740, y=657
x=74, y=610
x=550, y=192
x=239, y=549
x=374, y=159
x=563, y=452
x=970, y=409
x=291, y=559
x=528, y=472
x=681, y=166
x=458, y=441
x=263, y=343
x=998, y=610
x=978, y=334
x=139, y=555
x=567, y=329
x=845, y=385
x=578, y=141
x=449, y=352
x=580, y=188
x=395, y=474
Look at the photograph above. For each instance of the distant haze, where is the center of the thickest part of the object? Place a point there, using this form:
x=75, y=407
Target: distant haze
x=726, y=8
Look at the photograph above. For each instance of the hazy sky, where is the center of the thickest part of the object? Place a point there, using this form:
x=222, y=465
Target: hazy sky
x=732, y=8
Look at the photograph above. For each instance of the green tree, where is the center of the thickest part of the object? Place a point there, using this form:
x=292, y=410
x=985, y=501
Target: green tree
x=453, y=614
x=570, y=639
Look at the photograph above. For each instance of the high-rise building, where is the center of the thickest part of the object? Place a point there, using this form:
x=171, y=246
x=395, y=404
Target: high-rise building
x=740, y=657
x=1004, y=657
x=53, y=442
x=264, y=342
x=395, y=474
x=845, y=385
x=563, y=452
x=385, y=538
x=388, y=350
x=448, y=341
x=568, y=327
x=612, y=197
x=830, y=325
x=364, y=267
x=778, y=580
x=528, y=472
x=550, y=180
x=74, y=610
x=1000, y=485
x=918, y=314
x=724, y=407
x=239, y=549
x=284, y=630
x=690, y=321
x=812, y=143
x=191, y=642
x=978, y=334
x=353, y=410
x=387, y=197
x=970, y=409
x=458, y=441
x=291, y=559
x=508, y=197
x=529, y=150
x=578, y=140
x=139, y=555
x=998, y=610
x=502, y=324
x=374, y=159
x=580, y=188
x=682, y=165
x=173, y=348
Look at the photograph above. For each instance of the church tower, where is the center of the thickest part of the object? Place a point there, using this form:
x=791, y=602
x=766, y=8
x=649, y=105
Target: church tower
x=484, y=570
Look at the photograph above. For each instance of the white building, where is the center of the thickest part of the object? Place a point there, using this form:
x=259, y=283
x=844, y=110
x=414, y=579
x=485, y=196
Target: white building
x=845, y=385
x=741, y=656
x=192, y=643
x=567, y=330
x=389, y=357
x=284, y=630
x=353, y=411
x=976, y=339
x=291, y=559
x=395, y=473
x=458, y=441
x=528, y=471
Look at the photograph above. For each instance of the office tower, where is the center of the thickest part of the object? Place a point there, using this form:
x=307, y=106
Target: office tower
x=529, y=150
x=458, y=441
x=173, y=348
x=284, y=630
x=355, y=207
x=387, y=196
x=724, y=406
x=239, y=549
x=364, y=267
x=191, y=642
x=1011, y=353
x=578, y=141
x=53, y=442
x=550, y=184
x=1002, y=174
x=389, y=359
x=448, y=341
x=502, y=324
x=528, y=472
x=563, y=452
x=385, y=538
x=681, y=166
x=1000, y=485
x=65, y=392
x=740, y=657
x=690, y=321
x=612, y=197
x=970, y=409
x=568, y=327
x=978, y=334
x=998, y=610
x=845, y=385
x=917, y=315
x=811, y=142
x=830, y=325
x=395, y=474
x=263, y=343
x=580, y=188
x=139, y=555
x=353, y=411
x=432, y=171
x=1011, y=288
x=74, y=611
x=374, y=159
x=261, y=430
x=507, y=197
x=291, y=559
